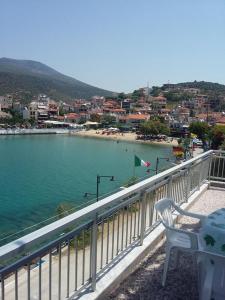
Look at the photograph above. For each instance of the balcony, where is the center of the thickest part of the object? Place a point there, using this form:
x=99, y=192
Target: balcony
x=145, y=282
x=87, y=253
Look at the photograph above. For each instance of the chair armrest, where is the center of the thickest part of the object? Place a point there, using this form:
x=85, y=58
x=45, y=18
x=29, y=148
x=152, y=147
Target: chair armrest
x=190, y=214
x=192, y=236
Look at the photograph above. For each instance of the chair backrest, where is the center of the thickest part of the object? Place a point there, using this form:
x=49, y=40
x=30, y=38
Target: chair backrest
x=164, y=209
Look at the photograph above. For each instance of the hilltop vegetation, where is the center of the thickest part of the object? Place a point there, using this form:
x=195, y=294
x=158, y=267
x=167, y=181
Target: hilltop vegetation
x=179, y=91
x=202, y=85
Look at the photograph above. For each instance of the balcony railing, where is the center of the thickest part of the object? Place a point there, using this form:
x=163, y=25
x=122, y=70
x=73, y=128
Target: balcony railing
x=65, y=257
x=217, y=170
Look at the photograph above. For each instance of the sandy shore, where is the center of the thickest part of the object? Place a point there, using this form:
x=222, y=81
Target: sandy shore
x=128, y=137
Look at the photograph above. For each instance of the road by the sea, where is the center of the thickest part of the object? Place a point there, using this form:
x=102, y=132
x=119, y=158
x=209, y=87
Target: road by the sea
x=39, y=172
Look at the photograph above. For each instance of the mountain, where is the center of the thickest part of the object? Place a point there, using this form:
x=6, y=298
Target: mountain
x=31, y=78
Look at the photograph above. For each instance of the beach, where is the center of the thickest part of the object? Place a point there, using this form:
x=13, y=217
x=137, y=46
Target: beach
x=126, y=136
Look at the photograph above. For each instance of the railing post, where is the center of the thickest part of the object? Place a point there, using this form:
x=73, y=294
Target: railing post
x=94, y=252
x=200, y=175
x=143, y=196
x=210, y=169
x=188, y=183
x=169, y=189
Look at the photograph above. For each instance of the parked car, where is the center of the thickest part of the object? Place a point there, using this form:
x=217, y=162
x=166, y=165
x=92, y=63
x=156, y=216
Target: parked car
x=197, y=142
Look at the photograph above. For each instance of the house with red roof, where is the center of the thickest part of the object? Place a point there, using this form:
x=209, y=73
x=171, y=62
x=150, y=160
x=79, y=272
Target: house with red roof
x=158, y=103
x=72, y=118
x=134, y=120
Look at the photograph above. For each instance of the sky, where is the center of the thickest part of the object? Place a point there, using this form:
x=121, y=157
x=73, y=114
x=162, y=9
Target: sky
x=119, y=45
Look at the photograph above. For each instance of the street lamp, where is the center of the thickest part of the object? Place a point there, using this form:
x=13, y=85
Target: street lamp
x=98, y=180
x=157, y=163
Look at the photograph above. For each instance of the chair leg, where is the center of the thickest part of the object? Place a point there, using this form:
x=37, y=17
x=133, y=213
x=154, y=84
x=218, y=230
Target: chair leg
x=166, y=265
x=176, y=255
x=206, y=284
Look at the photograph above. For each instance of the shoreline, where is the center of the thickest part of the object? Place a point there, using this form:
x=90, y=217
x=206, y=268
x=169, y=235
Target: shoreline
x=33, y=131
x=123, y=137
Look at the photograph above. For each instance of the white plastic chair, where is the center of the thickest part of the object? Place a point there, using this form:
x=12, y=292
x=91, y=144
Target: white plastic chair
x=211, y=275
x=176, y=239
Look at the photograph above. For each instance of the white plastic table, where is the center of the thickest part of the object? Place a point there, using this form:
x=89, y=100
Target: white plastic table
x=212, y=239
x=212, y=233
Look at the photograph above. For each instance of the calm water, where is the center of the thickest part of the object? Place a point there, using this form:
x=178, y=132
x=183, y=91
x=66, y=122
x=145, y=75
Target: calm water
x=39, y=172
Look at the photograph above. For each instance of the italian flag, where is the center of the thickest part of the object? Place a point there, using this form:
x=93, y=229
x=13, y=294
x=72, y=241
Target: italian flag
x=140, y=162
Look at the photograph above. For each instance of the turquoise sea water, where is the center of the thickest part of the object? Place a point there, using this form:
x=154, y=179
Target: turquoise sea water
x=39, y=172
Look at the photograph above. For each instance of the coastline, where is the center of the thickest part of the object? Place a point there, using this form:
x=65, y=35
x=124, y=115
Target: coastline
x=126, y=137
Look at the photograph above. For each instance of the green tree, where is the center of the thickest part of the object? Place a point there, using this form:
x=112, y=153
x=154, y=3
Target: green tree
x=222, y=147
x=177, y=96
x=108, y=120
x=201, y=129
x=32, y=121
x=16, y=118
x=158, y=118
x=132, y=180
x=61, y=111
x=136, y=95
x=64, y=209
x=192, y=113
x=95, y=118
x=154, y=127
x=121, y=96
x=155, y=91
x=217, y=136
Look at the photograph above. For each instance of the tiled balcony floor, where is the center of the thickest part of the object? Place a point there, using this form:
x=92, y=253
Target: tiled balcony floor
x=145, y=282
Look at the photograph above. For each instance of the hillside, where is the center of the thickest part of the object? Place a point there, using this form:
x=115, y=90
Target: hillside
x=32, y=77
x=202, y=85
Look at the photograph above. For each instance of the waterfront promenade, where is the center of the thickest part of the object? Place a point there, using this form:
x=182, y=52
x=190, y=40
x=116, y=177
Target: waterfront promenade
x=97, y=134
x=24, y=131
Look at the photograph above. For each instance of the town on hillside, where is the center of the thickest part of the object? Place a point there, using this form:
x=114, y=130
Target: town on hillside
x=157, y=112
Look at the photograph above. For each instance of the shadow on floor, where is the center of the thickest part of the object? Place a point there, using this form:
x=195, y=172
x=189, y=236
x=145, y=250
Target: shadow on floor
x=145, y=282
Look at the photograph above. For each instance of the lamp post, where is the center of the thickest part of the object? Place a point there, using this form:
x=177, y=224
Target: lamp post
x=98, y=180
x=157, y=163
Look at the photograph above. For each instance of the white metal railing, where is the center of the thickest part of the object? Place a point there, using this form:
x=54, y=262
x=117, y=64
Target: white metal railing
x=64, y=257
x=217, y=170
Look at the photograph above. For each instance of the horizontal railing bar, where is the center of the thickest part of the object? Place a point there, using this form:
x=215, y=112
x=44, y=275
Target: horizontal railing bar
x=219, y=151
x=198, y=162
x=214, y=177
x=179, y=174
x=158, y=185
x=44, y=250
x=13, y=248
x=117, y=207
